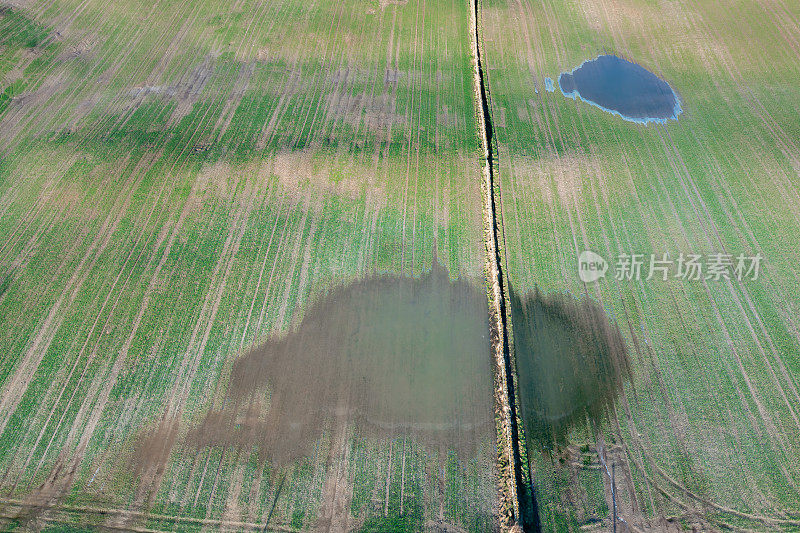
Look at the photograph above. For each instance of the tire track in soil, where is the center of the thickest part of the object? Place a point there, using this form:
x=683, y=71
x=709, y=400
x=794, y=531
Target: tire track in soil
x=231, y=507
x=110, y=379
x=757, y=318
x=712, y=237
x=196, y=348
x=136, y=172
x=137, y=324
x=676, y=171
x=98, y=409
x=142, y=167
x=17, y=384
x=337, y=489
x=92, y=135
x=118, y=362
x=180, y=398
x=130, y=517
x=121, y=357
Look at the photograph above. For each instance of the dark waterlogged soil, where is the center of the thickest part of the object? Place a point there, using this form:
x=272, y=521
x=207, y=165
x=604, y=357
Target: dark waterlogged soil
x=394, y=356
x=410, y=356
x=571, y=362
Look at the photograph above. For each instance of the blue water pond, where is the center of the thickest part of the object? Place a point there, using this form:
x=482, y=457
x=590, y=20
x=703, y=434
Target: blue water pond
x=626, y=89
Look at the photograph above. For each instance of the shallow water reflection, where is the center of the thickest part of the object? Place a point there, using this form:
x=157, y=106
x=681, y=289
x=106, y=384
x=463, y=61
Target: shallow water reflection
x=392, y=355
x=571, y=363
x=623, y=88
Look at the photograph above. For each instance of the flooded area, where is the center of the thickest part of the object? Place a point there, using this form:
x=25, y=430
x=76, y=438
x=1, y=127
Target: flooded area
x=571, y=363
x=393, y=356
x=401, y=366
x=621, y=87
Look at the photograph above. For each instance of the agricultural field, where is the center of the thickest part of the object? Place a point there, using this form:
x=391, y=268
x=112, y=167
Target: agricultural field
x=206, y=209
x=255, y=274
x=704, y=432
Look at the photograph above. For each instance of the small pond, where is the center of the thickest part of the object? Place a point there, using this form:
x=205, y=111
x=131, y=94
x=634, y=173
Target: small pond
x=621, y=87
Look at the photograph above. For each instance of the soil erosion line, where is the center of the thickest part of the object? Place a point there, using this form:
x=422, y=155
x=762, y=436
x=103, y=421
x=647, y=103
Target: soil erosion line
x=509, y=459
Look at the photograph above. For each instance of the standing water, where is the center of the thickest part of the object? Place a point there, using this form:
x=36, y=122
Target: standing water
x=626, y=89
x=392, y=355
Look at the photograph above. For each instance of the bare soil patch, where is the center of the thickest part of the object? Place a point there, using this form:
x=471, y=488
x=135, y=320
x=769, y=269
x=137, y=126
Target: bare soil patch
x=386, y=3
x=151, y=454
x=299, y=170
x=563, y=175
x=36, y=505
x=377, y=113
x=186, y=91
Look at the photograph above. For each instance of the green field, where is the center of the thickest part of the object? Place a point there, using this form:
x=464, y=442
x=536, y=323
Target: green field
x=180, y=181
x=183, y=181
x=705, y=434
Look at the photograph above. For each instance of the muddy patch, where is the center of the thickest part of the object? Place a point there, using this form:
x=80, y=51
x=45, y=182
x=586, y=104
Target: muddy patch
x=50, y=87
x=34, y=510
x=153, y=448
x=83, y=48
x=376, y=113
x=571, y=360
x=305, y=172
x=392, y=356
x=186, y=91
